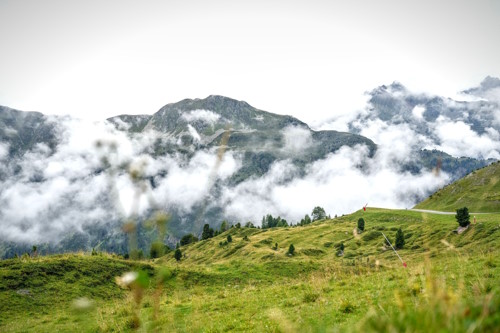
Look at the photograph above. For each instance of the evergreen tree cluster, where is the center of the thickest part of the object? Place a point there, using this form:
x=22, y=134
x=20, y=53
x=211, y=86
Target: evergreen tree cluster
x=306, y=220
x=207, y=232
x=269, y=221
x=188, y=239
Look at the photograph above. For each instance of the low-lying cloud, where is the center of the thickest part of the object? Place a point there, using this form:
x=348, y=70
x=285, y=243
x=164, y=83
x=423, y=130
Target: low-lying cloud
x=341, y=183
x=207, y=116
x=47, y=194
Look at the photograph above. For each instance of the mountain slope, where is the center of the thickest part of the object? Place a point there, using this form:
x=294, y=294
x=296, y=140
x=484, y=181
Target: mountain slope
x=24, y=130
x=479, y=191
x=449, y=283
x=67, y=185
x=191, y=125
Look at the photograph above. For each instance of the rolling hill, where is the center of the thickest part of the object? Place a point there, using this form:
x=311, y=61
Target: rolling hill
x=479, y=191
x=249, y=284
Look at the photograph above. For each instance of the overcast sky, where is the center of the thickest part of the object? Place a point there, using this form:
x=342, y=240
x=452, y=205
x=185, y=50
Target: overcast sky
x=311, y=59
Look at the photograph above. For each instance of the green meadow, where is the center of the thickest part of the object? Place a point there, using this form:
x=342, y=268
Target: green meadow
x=479, y=191
x=450, y=283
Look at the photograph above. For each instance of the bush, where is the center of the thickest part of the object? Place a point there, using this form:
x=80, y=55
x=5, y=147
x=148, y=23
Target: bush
x=463, y=217
x=369, y=236
x=229, y=238
x=156, y=250
x=346, y=306
x=361, y=224
x=291, y=249
x=188, y=239
x=137, y=254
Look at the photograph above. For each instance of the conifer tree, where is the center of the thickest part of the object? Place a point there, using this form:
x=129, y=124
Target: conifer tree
x=361, y=224
x=178, y=254
x=400, y=239
x=463, y=217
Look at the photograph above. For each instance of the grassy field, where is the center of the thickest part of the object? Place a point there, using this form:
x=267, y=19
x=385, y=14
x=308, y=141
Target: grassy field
x=479, y=191
x=450, y=283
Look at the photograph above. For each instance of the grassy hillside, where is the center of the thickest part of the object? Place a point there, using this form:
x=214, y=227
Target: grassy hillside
x=451, y=282
x=479, y=191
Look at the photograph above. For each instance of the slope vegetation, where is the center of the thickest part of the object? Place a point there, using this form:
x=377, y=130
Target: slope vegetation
x=252, y=285
x=479, y=191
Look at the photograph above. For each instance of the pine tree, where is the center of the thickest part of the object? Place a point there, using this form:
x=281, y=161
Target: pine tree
x=229, y=238
x=291, y=249
x=207, y=232
x=178, y=254
x=361, y=224
x=224, y=226
x=463, y=217
x=400, y=239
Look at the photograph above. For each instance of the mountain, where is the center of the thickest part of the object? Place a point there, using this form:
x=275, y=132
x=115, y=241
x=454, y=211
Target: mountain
x=24, y=130
x=396, y=105
x=191, y=125
x=191, y=154
x=479, y=191
x=432, y=125
x=68, y=184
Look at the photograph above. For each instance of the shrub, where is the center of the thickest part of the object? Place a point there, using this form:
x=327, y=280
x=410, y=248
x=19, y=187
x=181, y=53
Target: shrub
x=229, y=238
x=136, y=254
x=291, y=249
x=346, y=306
x=156, y=250
x=188, y=239
x=310, y=297
x=369, y=236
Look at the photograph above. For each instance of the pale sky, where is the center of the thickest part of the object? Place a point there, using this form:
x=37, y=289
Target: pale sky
x=310, y=59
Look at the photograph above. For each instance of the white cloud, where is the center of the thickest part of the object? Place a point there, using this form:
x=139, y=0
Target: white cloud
x=4, y=150
x=194, y=133
x=203, y=115
x=458, y=139
x=418, y=112
x=297, y=139
x=336, y=183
